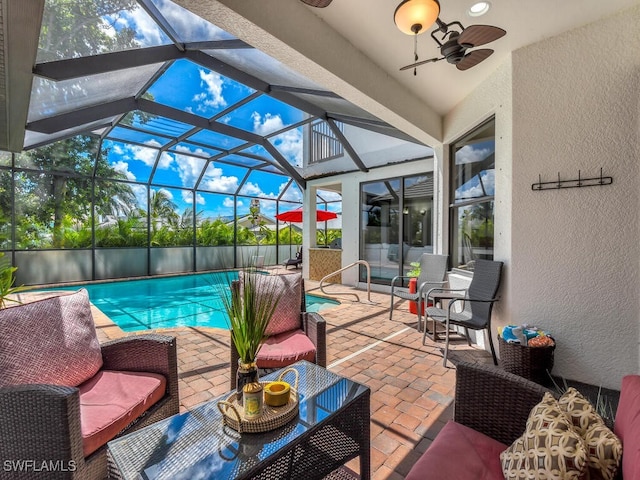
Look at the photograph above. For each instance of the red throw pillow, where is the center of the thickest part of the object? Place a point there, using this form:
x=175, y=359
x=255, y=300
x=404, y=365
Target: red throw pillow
x=51, y=341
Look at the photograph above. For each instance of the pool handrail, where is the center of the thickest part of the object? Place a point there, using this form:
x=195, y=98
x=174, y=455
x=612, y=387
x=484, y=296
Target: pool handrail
x=359, y=262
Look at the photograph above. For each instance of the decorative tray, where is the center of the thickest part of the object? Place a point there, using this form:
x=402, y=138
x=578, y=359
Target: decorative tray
x=271, y=417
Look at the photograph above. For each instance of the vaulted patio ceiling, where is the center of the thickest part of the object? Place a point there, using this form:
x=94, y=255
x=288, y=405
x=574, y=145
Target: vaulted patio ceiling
x=160, y=77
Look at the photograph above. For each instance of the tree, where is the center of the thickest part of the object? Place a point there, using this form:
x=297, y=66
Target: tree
x=63, y=185
x=84, y=27
x=162, y=213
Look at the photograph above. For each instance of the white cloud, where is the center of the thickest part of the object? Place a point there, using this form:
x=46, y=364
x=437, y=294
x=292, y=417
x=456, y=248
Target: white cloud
x=166, y=161
x=189, y=169
x=290, y=145
x=123, y=167
x=270, y=123
x=212, y=94
x=329, y=196
x=147, y=32
x=215, y=180
x=473, y=189
x=228, y=202
x=184, y=21
x=292, y=194
x=140, y=191
x=144, y=154
x=468, y=154
x=197, y=151
x=252, y=190
x=117, y=149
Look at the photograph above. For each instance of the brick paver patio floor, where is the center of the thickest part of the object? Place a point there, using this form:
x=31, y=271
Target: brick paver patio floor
x=411, y=392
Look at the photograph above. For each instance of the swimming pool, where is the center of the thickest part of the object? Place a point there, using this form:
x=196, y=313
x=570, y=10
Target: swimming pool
x=167, y=302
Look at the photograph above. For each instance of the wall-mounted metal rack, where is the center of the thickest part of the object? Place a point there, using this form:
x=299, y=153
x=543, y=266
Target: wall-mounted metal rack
x=573, y=183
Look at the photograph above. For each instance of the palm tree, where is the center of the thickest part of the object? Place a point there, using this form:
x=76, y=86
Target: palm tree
x=162, y=210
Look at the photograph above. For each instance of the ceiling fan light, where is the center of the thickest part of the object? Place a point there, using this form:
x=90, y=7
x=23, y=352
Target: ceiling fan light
x=415, y=16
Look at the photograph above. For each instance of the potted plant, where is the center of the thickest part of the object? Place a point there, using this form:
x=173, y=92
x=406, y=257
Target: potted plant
x=249, y=304
x=414, y=273
x=7, y=280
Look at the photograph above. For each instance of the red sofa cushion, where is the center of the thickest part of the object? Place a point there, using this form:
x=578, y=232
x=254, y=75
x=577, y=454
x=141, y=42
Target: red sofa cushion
x=627, y=425
x=460, y=453
x=286, y=348
x=111, y=400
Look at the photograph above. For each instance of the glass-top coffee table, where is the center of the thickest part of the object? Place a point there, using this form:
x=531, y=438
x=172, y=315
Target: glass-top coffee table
x=332, y=427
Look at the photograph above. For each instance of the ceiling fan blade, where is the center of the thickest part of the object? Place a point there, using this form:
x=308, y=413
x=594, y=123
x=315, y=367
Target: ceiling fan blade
x=422, y=62
x=473, y=58
x=317, y=3
x=477, y=35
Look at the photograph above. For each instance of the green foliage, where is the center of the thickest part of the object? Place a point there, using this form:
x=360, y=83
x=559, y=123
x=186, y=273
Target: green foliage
x=331, y=235
x=250, y=307
x=477, y=222
x=128, y=232
x=53, y=208
x=289, y=236
x=415, y=271
x=75, y=28
x=7, y=280
x=213, y=233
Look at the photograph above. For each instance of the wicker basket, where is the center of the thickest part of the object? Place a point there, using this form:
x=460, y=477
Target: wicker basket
x=534, y=363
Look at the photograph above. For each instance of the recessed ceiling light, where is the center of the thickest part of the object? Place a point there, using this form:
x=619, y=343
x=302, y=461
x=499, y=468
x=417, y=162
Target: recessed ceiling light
x=478, y=9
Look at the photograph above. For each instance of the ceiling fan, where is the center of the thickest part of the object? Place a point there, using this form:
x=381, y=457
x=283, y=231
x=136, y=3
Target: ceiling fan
x=317, y=3
x=455, y=44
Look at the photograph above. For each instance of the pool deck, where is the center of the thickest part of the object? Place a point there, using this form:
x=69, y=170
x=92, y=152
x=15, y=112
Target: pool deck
x=411, y=391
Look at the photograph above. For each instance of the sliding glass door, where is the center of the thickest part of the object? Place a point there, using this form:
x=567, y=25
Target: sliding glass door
x=396, y=225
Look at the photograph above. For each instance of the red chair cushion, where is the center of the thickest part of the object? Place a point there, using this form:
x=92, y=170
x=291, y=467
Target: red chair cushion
x=627, y=425
x=286, y=348
x=460, y=453
x=111, y=400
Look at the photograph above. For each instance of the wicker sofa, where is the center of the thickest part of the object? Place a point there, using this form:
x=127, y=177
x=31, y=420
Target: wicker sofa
x=57, y=428
x=490, y=413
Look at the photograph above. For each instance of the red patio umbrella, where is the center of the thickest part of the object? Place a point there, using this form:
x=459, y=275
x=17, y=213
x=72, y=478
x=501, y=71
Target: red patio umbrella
x=295, y=216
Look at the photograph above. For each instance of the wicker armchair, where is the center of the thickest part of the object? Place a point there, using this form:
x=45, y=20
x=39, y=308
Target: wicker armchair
x=494, y=402
x=41, y=423
x=314, y=327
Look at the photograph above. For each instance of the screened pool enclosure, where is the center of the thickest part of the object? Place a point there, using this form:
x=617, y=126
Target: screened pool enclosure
x=157, y=143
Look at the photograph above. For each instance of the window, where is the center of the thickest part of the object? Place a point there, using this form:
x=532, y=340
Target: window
x=472, y=196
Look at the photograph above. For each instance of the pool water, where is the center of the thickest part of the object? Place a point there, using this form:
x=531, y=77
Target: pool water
x=167, y=302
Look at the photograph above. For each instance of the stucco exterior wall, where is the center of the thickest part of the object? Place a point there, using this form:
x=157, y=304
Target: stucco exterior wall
x=572, y=255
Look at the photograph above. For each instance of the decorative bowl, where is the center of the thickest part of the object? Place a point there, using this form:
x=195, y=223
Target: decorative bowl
x=277, y=393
